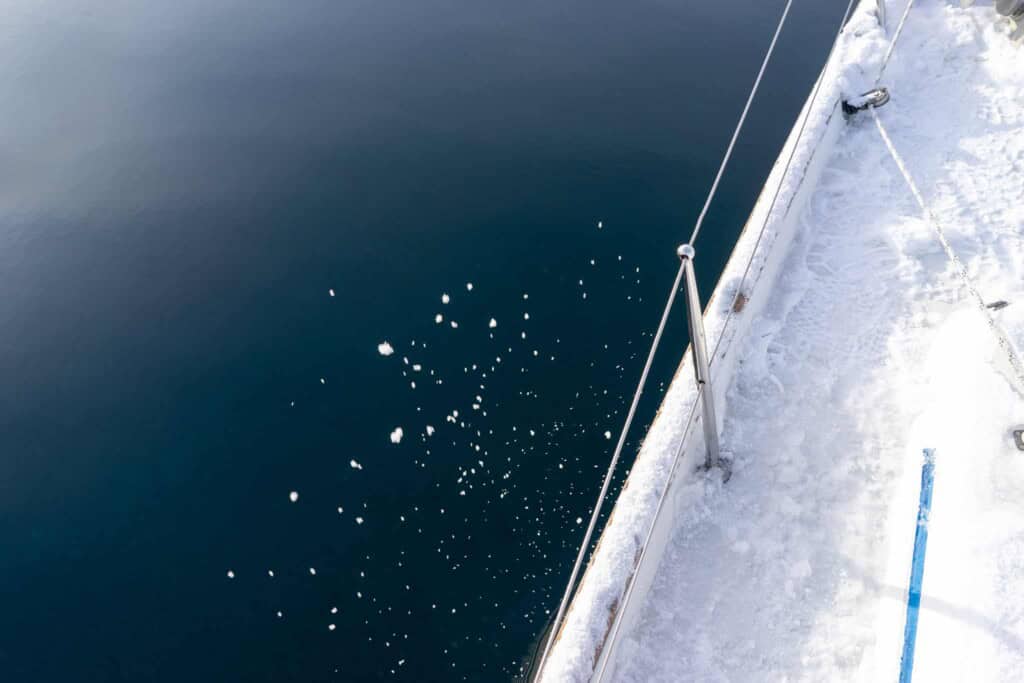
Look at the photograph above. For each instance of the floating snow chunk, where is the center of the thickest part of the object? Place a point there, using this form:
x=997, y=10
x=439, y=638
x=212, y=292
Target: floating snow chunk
x=385, y=349
x=592, y=262
x=454, y=324
x=438, y=318
x=293, y=496
x=579, y=520
x=331, y=627
x=396, y=435
x=323, y=381
x=469, y=286
x=231, y=574
x=417, y=367
x=526, y=316
x=270, y=573
x=445, y=298
x=340, y=509
x=312, y=571
x=492, y=324
x=279, y=614
x=331, y=292
x=359, y=520
x=600, y=224
x=430, y=430
x=608, y=435
x=334, y=610
x=354, y=465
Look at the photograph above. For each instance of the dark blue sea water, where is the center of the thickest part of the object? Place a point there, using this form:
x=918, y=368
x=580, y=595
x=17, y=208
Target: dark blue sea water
x=184, y=182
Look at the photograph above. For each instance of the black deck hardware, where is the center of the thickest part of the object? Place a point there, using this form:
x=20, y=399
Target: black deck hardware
x=1018, y=437
x=878, y=97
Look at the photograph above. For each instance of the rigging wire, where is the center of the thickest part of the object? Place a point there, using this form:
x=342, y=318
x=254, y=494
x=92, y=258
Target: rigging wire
x=739, y=125
x=556, y=624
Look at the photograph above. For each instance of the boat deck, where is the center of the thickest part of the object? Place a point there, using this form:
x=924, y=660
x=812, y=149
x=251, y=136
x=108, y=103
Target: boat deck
x=868, y=352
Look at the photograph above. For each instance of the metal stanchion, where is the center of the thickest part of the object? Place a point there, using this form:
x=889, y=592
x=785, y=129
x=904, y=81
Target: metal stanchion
x=701, y=368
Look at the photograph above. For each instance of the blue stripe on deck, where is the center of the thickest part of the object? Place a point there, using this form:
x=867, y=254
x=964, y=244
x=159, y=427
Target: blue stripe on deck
x=917, y=566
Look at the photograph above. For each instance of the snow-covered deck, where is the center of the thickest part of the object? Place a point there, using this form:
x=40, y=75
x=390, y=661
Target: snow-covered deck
x=862, y=351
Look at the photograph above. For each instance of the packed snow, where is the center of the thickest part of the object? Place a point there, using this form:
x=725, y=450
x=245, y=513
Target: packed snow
x=863, y=351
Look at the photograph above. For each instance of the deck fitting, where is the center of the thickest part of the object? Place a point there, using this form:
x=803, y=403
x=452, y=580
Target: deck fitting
x=1018, y=437
x=878, y=97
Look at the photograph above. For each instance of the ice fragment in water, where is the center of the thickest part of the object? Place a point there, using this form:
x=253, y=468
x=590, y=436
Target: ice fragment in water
x=231, y=574
x=492, y=324
x=331, y=292
x=430, y=430
x=385, y=349
x=469, y=286
x=396, y=435
x=355, y=465
x=445, y=298
x=293, y=496
x=312, y=571
x=608, y=435
x=438, y=318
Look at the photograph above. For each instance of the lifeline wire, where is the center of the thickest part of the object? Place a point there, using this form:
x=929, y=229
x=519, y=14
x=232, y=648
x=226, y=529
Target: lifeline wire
x=608, y=475
x=739, y=126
